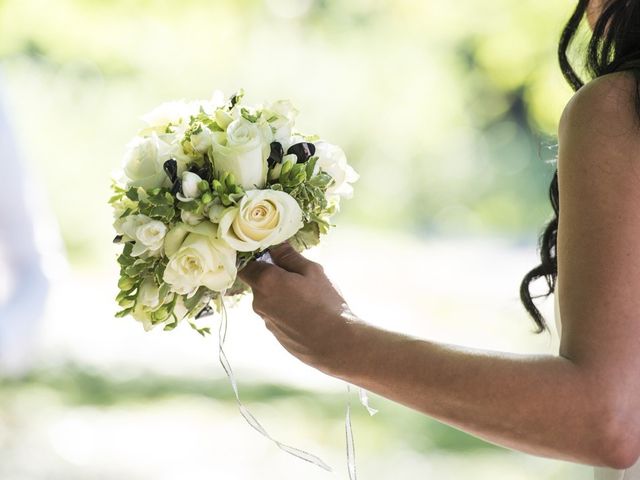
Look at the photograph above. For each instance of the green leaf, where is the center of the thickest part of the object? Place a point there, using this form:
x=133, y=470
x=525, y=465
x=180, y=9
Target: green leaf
x=193, y=302
x=158, y=273
x=321, y=180
x=126, y=283
x=138, y=267
x=128, y=248
x=125, y=260
x=161, y=199
x=170, y=326
x=132, y=194
x=188, y=206
x=127, y=302
x=123, y=313
x=164, y=212
x=164, y=290
x=160, y=315
x=126, y=213
x=311, y=166
x=115, y=198
x=204, y=331
x=308, y=236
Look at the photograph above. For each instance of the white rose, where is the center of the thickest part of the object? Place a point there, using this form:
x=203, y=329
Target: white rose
x=143, y=162
x=197, y=258
x=263, y=218
x=332, y=160
x=147, y=233
x=190, y=188
x=243, y=151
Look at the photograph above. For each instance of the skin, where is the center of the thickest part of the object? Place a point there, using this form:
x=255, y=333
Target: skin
x=582, y=405
x=593, y=11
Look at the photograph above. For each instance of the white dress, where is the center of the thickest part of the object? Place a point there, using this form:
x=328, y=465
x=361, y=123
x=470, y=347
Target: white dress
x=600, y=473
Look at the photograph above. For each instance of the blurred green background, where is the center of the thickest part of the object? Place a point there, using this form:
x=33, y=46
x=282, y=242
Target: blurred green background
x=448, y=111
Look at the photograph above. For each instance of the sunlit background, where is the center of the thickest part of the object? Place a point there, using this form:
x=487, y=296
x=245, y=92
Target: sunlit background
x=448, y=111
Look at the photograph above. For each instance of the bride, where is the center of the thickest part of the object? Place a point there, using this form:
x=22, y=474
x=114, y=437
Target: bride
x=582, y=405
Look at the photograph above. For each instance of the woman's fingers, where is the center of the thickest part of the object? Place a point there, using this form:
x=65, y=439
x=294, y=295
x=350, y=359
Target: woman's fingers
x=288, y=258
x=259, y=275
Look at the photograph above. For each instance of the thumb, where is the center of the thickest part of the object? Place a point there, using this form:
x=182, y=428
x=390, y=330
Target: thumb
x=285, y=256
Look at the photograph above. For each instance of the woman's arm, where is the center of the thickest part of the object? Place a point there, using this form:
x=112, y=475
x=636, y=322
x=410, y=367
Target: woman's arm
x=581, y=406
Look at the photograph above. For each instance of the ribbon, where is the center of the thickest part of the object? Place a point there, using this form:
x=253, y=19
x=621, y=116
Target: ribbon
x=251, y=419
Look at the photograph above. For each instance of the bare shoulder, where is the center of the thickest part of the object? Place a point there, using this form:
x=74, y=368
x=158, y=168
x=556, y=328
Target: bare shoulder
x=603, y=112
x=599, y=225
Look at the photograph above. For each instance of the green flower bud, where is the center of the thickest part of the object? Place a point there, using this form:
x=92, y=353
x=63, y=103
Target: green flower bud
x=126, y=283
x=203, y=186
x=230, y=181
x=161, y=314
x=286, y=168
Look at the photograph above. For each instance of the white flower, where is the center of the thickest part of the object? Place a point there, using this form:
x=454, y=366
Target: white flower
x=150, y=309
x=332, y=160
x=169, y=113
x=281, y=116
x=190, y=188
x=143, y=162
x=216, y=211
x=201, y=141
x=147, y=233
x=197, y=258
x=209, y=107
x=190, y=218
x=263, y=218
x=243, y=151
x=149, y=294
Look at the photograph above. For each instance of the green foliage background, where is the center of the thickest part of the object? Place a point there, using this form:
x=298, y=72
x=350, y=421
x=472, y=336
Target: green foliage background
x=447, y=109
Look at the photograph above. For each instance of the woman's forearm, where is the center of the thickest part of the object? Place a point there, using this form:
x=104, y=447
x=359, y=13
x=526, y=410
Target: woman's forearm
x=567, y=408
x=541, y=404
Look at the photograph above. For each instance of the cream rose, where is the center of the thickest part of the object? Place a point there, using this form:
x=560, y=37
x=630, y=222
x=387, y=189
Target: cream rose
x=243, y=151
x=198, y=258
x=263, y=218
x=332, y=160
x=143, y=162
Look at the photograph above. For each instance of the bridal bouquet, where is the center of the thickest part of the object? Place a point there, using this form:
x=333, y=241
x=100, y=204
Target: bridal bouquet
x=207, y=186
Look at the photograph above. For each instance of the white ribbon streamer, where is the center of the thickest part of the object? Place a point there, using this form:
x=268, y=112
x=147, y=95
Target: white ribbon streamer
x=248, y=416
x=351, y=449
x=251, y=419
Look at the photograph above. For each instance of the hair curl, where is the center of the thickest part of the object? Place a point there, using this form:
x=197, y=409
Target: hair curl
x=614, y=46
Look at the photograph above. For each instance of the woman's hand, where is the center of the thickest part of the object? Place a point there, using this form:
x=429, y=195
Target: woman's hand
x=301, y=307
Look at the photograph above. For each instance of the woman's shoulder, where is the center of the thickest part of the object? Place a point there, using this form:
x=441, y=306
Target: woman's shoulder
x=603, y=106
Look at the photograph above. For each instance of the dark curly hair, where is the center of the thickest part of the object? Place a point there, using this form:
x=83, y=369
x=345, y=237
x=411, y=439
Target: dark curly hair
x=614, y=46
